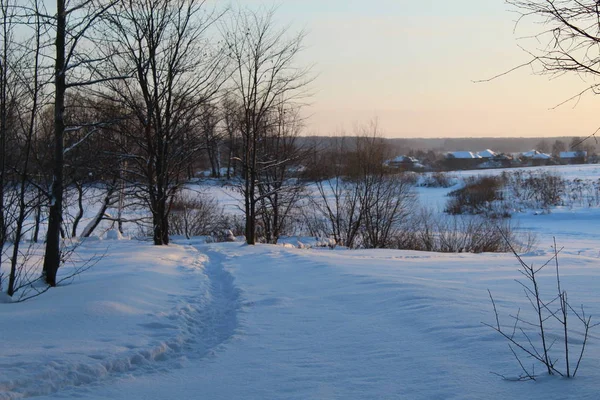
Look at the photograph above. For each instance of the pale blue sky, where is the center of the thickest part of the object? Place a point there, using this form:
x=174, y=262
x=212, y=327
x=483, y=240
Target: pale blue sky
x=411, y=63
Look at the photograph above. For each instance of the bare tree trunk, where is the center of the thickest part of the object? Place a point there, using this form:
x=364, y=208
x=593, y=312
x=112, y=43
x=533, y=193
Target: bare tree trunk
x=24, y=208
x=6, y=27
x=38, y=219
x=79, y=188
x=52, y=255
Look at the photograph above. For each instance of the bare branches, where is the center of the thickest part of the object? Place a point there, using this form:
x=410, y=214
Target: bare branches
x=545, y=312
x=266, y=84
x=568, y=41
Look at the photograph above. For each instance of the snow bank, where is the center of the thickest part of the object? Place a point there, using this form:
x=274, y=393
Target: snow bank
x=140, y=308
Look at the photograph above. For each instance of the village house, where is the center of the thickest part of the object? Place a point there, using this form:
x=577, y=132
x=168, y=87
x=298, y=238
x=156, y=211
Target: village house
x=462, y=160
x=573, y=157
x=491, y=159
x=536, y=158
x=405, y=163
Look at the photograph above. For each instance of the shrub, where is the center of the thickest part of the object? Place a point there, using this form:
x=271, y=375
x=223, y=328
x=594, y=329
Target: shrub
x=194, y=215
x=437, y=179
x=552, y=338
x=535, y=189
x=461, y=234
x=477, y=196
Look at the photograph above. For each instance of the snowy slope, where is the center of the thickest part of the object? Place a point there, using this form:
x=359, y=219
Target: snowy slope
x=139, y=309
x=304, y=324
x=229, y=321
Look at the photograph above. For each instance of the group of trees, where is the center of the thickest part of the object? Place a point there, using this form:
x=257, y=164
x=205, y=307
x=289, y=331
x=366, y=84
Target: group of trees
x=127, y=95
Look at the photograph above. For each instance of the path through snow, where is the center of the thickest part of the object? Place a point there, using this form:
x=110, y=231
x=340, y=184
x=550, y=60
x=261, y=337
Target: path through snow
x=320, y=324
x=135, y=316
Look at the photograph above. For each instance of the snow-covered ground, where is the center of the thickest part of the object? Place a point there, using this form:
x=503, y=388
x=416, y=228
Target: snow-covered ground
x=230, y=321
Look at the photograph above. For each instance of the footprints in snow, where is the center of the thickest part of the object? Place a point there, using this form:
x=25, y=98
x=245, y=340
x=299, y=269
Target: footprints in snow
x=196, y=326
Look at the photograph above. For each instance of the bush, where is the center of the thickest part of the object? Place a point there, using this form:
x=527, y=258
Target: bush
x=195, y=215
x=535, y=189
x=437, y=180
x=461, y=234
x=535, y=335
x=478, y=196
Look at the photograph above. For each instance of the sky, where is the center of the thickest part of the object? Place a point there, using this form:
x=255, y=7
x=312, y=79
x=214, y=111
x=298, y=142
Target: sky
x=412, y=66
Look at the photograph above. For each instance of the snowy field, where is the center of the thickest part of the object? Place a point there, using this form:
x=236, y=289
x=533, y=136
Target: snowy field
x=230, y=321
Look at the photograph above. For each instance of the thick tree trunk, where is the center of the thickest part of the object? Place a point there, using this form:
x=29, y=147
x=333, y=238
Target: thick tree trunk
x=160, y=222
x=52, y=255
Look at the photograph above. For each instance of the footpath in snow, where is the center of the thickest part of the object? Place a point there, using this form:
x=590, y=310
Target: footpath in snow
x=141, y=310
x=269, y=322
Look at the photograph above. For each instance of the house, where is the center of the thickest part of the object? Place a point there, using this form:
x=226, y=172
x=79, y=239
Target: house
x=535, y=158
x=405, y=163
x=462, y=160
x=498, y=160
x=572, y=157
x=504, y=160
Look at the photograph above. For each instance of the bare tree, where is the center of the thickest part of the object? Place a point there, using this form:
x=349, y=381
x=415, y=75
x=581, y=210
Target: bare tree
x=557, y=147
x=279, y=189
x=29, y=100
x=230, y=123
x=339, y=198
x=75, y=67
x=6, y=85
x=212, y=137
x=264, y=78
x=163, y=45
x=567, y=41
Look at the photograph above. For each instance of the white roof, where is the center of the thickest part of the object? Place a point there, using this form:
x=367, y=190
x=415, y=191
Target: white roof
x=573, y=154
x=463, y=154
x=487, y=153
x=542, y=156
x=530, y=153
x=402, y=159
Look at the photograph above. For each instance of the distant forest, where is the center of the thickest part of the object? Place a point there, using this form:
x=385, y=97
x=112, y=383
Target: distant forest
x=497, y=144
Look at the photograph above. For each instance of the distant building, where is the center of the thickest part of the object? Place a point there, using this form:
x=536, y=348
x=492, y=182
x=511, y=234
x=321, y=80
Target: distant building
x=536, y=158
x=573, y=157
x=462, y=160
x=497, y=160
x=405, y=163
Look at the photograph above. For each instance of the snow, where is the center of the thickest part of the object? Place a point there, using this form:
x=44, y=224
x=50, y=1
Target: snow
x=487, y=153
x=530, y=153
x=132, y=309
x=536, y=155
x=541, y=156
x=463, y=155
x=403, y=159
x=230, y=321
x=114, y=234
